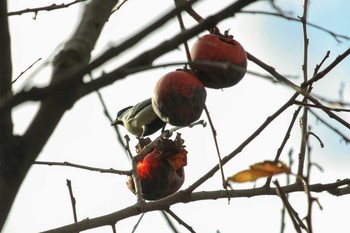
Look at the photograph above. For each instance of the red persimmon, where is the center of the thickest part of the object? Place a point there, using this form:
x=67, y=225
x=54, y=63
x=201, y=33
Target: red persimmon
x=218, y=48
x=161, y=171
x=179, y=98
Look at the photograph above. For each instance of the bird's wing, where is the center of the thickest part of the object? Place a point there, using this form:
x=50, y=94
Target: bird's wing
x=140, y=106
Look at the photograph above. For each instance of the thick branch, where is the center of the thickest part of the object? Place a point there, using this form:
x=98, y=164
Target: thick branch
x=74, y=56
x=145, y=58
x=185, y=197
x=6, y=125
x=5, y=75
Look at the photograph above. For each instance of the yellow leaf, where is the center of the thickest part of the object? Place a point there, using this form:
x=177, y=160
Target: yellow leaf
x=272, y=167
x=248, y=175
x=258, y=170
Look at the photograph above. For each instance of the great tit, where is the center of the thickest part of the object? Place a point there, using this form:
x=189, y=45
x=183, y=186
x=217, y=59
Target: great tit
x=140, y=119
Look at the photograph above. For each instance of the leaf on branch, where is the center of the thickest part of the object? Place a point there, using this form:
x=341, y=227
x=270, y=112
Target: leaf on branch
x=258, y=170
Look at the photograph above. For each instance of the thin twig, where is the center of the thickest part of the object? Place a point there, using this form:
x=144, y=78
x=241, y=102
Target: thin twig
x=304, y=118
x=306, y=179
x=180, y=221
x=68, y=164
x=108, y=115
x=72, y=199
x=283, y=211
x=24, y=71
x=343, y=136
x=114, y=230
x=44, y=8
x=300, y=89
x=137, y=223
x=287, y=135
x=318, y=67
x=326, y=70
x=182, y=27
x=169, y=222
x=285, y=139
x=297, y=222
x=224, y=184
x=117, y=7
x=335, y=35
x=324, y=107
x=332, y=102
x=317, y=137
x=246, y=142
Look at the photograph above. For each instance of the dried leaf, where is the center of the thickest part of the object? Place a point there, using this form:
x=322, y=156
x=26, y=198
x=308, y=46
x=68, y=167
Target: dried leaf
x=178, y=160
x=248, y=175
x=167, y=147
x=272, y=167
x=258, y=170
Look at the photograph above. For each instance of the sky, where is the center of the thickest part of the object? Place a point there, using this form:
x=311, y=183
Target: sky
x=84, y=135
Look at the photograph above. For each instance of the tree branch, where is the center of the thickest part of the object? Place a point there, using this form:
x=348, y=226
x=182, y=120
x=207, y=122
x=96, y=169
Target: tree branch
x=300, y=89
x=185, y=197
x=44, y=8
x=7, y=140
x=143, y=59
x=68, y=164
x=74, y=56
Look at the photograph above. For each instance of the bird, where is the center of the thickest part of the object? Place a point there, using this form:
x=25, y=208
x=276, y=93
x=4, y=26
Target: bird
x=140, y=119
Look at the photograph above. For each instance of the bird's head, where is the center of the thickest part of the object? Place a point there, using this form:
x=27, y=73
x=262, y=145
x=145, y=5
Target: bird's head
x=121, y=116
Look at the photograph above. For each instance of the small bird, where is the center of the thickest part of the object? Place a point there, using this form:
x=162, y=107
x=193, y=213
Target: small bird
x=140, y=119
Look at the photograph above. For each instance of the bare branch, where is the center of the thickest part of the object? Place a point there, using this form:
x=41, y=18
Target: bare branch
x=281, y=15
x=42, y=93
x=297, y=222
x=323, y=107
x=180, y=221
x=8, y=143
x=75, y=54
x=185, y=197
x=169, y=222
x=213, y=131
x=304, y=118
x=343, y=136
x=299, y=89
x=44, y=8
x=68, y=164
x=24, y=71
x=328, y=69
x=72, y=199
x=137, y=223
x=318, y=67
x=317, y=137
x=108, y=115
x=227, y=158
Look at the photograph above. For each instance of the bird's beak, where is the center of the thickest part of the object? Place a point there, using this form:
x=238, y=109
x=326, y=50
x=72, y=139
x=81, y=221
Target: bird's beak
x=117, y=122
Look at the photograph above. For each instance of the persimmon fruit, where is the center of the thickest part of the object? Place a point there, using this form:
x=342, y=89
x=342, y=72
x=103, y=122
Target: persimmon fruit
x=179, y=98
x=161, y=171
x=216, y=48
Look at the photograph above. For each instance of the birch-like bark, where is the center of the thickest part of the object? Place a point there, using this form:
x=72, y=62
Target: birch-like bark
x=74, y=55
